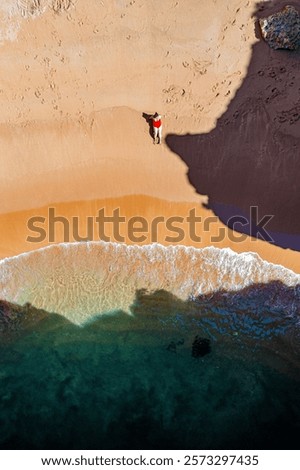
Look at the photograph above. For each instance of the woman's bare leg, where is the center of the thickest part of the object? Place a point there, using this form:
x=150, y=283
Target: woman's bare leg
x=160, y=134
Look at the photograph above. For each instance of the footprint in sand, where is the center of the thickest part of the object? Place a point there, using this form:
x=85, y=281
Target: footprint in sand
x=29, y=7
x=36, y=7
x=61, y=5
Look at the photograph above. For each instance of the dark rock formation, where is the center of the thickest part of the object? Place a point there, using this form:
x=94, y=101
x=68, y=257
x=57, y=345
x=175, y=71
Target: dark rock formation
x=10, y=316
x=172, y=346
x=16, y=319
x=282, y=30
x=200, y=347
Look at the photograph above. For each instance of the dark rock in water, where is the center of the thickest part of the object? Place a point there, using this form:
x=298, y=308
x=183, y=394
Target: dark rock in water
x=282, y=30
x=200, y=347
x=16, y=319
x=10, y=316
x=173, y=346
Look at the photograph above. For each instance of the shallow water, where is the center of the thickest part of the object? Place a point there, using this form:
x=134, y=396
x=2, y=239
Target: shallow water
x=131, y=382
x=80, y=280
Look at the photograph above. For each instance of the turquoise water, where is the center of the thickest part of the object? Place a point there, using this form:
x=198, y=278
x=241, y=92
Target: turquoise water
x=131, y=382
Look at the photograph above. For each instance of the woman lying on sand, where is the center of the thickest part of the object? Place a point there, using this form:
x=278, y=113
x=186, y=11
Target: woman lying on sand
x=157, y=128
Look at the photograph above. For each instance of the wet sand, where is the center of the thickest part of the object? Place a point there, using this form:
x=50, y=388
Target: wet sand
x=17, y=230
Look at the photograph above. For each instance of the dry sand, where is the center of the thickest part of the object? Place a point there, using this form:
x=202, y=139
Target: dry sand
x=75, y=83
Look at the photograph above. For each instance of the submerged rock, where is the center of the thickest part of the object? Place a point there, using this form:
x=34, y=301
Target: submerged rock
x=282, y=30
x=200, y=347
x=172, y=347
x=17, y=319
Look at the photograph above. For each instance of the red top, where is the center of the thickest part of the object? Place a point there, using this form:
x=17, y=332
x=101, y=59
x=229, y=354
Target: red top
x=157, y=123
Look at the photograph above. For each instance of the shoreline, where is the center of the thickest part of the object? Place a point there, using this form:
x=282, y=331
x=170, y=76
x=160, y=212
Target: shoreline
x=145, y=207
x=82, y=280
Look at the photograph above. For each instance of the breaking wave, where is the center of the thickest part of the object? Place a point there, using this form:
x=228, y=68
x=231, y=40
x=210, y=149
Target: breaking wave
x=81, y=280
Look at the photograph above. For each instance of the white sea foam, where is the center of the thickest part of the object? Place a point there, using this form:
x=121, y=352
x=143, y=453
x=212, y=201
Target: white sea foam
x=80, y=280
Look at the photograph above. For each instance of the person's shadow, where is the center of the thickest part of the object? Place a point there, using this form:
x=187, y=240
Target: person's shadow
x=252, y=157
x=148, y=119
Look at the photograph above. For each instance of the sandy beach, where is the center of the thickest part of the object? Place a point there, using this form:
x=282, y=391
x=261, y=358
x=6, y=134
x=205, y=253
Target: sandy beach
x=149, y=294
x=76, y=80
